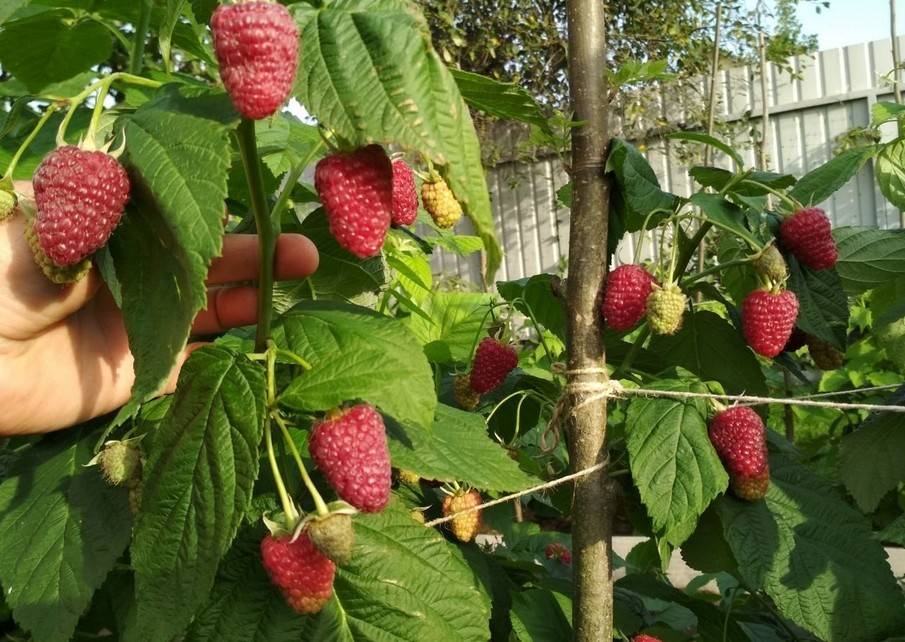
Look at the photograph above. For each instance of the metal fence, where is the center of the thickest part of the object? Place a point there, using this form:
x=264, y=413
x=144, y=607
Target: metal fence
x=828, y=94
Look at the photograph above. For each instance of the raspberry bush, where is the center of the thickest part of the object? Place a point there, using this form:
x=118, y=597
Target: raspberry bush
x=283, y=491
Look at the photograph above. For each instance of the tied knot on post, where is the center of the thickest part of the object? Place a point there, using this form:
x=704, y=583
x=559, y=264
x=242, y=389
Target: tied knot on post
x=594, y=391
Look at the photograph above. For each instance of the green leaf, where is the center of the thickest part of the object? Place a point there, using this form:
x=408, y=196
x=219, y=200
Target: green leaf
x=822, y=182
x=710, y=347
x=284, y=142
x=870, y=458
x=890, y=170
x=706, y=139
x=202, y=463
x=869, y=257
x=244, y=605
x=814, y=556
x=458, y=320
x=884, y=111
x=9, y=7
x=173, y=11
x=457, y=449
x=724, y=214
x=539, y=615
x=356, y=353
x=536, y=294
x=718, y=178
x=368, y=71
x=638, y=185
x=62, y=530
x=48, y=48
x=405, y=583
x=503, y=100
x=178, y=153
x=894, y=532
x=673, y=464
x=822, y=304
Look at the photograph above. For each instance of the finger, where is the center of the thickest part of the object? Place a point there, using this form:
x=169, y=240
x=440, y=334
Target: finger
x=296, y=258
x=227, y=307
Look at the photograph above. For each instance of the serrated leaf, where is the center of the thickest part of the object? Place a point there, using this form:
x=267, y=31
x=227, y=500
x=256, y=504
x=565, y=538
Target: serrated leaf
x=202, y=463
x=356, y=353
x=718, y=178
x=890, y=170
x=504, y=100
x=724, y=214
x=284, y=142
x=833, y=581
x=244, y=605
x=822, y=304
x=457, y=318
x=638, y=186
x=884, y=111
x=457, y=449
x=62, y=530
x=539, y=615
x=48, y=48
x=178, y=155
x=9, y=7
x=405, y=583
x=869, y=257
x=822, y=182
x=870, y=458
x=894, y=532
x=714, y=350
x=368, y=71
x=674, y=466
x=537, y=298
x=172, y=13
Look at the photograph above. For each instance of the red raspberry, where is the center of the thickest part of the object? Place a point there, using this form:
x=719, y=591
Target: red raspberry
x=351, y=450
x=257, y=45
x=405, y=198
x=357, y=192
x=739, y=437
x=768, y=320
x=807, y=235
x=645, y=638
x=80, y=196
x=557, y=551
x=625, y=298
x=492, y=362
x=300, y=571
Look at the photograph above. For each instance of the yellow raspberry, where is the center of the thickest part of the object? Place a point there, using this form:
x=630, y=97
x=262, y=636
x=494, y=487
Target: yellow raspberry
x=57, y=274
x=665, y=307
x=440, y=202
x=7, y=204
x=465, y=526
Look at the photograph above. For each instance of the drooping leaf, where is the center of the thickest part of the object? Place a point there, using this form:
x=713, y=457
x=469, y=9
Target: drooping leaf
x=369, y=72
x=833, y=581
x=674, y=466
x=457, y=321
x=710, y=347
x=718, y=178
x=706, y=139
x=405, y=583
x=871, y=457
x=869, y=257
x=884, y=111
x=822, y=304
x=62, y=530
x=638, y=186
x=504, y=100
x=457, y=449
x=822, y=182
x=890, y=170
x=202, y=463
x=724, y=214
x=356, y=353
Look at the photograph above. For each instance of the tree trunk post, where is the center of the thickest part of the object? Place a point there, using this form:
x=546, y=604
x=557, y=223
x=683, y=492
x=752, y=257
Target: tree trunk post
x=592, y=507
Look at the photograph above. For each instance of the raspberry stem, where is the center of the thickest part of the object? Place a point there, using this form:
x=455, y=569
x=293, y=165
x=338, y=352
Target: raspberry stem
x=319, y=503
x=268, y=228
x=785, y=198
x=691, y=278
x=288, y=509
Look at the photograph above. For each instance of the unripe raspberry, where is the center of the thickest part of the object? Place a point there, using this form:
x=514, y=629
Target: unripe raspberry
x=55, y=273
x=257, y=46
x=625, y=296
x=334, y=536
x=467, y=398
x=665, y=307
x=351, y=450
x=7, y=204
x=408, y=477
x=465, y=526
x=357, y=192
x=824, y=354
x=768, y=320
x=405, y=197
x=120, y=462
x=80, y=197
x=807, y=234
x=417, y=515
x=771, y=264
x=440, y=202
x=301, y=572
x=493, y=361
x=739, y=438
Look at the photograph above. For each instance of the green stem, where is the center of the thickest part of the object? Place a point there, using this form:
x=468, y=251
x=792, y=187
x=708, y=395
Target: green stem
x=268, y=229
x=785, y=198
x=691, y=278
x=288, y=510
x=688, y=252
x=98, y=111
x=319, y=503
x=292, y=180
x=537, y=328
x=632, y=352
x=8, y=175
x=136, y=61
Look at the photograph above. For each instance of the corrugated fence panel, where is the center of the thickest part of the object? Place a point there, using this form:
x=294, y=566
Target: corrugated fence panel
x=830, y=93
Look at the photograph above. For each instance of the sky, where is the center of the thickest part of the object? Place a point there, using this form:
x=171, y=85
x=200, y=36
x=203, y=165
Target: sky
x=849, y=22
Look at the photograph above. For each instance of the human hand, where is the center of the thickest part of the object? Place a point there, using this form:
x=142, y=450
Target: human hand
x=64, y=353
